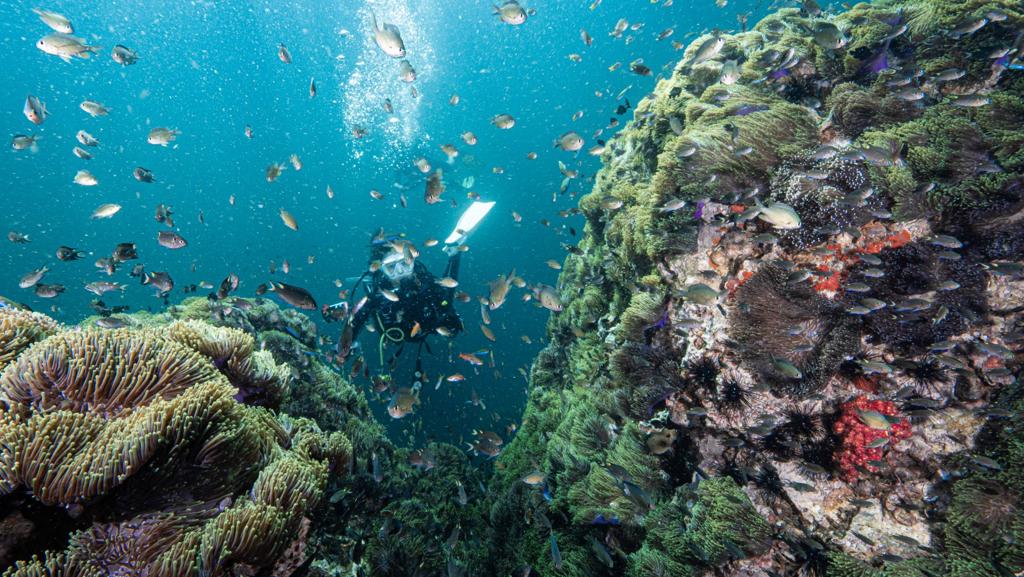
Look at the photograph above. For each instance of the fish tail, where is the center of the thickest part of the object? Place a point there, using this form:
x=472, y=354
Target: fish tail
x=373, y=20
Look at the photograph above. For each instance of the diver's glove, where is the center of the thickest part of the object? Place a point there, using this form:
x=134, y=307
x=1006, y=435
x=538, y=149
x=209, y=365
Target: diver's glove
x=335, y=312
x=451, y=249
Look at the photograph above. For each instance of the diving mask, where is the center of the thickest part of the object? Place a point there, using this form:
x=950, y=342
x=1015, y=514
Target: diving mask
x=396, y=267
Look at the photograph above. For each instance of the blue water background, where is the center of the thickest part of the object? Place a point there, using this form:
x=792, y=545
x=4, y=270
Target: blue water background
x=211, y=68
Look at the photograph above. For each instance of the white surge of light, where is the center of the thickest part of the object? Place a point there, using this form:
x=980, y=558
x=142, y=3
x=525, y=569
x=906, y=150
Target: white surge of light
x=373, y=77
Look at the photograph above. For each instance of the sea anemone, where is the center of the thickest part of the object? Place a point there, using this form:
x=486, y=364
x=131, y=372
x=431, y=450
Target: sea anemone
x=774, y=320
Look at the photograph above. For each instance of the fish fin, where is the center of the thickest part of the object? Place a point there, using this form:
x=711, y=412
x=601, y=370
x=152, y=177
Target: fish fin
x=373, y=20
x=65, y=58
x=483, y=407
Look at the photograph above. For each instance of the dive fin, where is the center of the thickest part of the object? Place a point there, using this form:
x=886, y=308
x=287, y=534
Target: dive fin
x=469, y=221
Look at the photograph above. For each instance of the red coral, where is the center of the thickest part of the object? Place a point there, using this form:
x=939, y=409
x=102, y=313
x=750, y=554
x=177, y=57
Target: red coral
x=899, y=239
x=854, y=454
x=865, y=383
x=829, y=284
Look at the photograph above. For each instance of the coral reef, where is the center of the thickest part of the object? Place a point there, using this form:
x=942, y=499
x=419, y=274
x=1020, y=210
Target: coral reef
x=135, y=448
x=790, y=343
x=791, y=330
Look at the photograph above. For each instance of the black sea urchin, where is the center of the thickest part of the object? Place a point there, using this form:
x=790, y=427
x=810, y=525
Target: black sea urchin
x=927, y=375
x=788, y=439
x=732, y=396
x=703, y=372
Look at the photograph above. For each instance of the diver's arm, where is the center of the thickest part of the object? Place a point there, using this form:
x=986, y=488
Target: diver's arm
x=452, y=270
x=362, y=316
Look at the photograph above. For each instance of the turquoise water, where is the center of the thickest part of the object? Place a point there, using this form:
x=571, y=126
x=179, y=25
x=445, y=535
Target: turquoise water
x=209, y=69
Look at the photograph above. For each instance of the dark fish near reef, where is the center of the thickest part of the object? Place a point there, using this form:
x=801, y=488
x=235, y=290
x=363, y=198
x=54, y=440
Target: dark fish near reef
x=111, y=323
x=600, y=552
x=171, y=240
x=298, y=297
x=124, y=252
x=637, y=495
x=161, y=281
x=435, y=187
x=143, y=174
x=229, y=284
x=66, y=253
x=404, y=401
x=123, y=55
x=48, y=291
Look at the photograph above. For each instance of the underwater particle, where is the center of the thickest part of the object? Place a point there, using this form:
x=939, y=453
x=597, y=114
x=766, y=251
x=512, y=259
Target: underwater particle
x=860, y=426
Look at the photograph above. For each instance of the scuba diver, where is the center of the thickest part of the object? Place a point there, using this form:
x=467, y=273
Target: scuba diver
x=404, y=302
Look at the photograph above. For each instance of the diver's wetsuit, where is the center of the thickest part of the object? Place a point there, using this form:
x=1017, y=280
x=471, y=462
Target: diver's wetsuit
x=420, y=300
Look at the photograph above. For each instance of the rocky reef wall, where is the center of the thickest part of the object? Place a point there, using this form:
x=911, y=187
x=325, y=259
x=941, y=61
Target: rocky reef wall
x=731, y=392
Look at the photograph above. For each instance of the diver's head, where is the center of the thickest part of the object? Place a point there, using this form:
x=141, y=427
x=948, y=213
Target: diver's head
x=396, y=267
